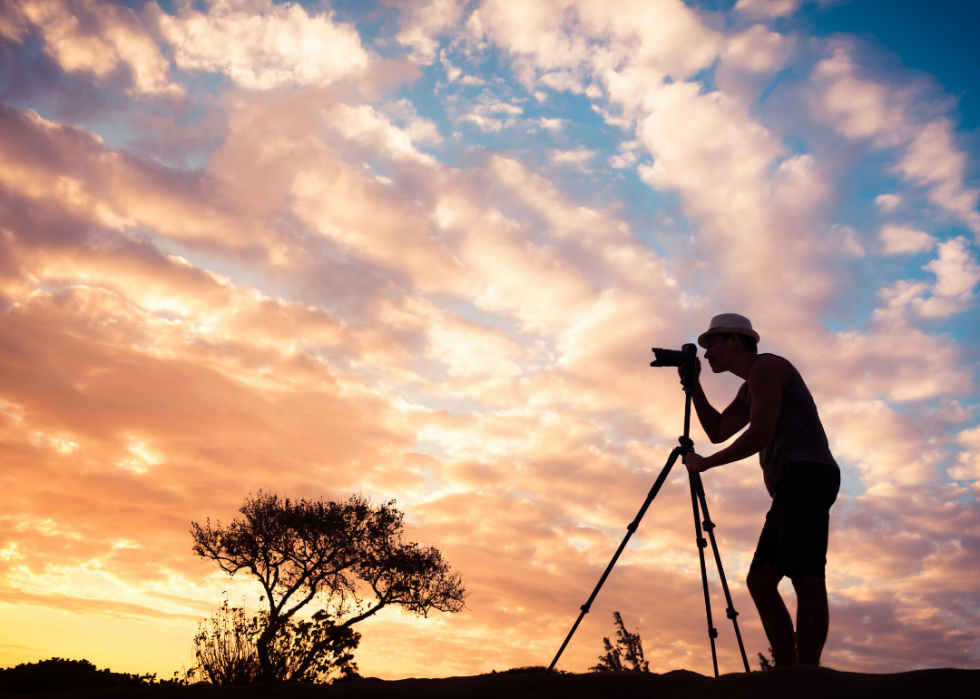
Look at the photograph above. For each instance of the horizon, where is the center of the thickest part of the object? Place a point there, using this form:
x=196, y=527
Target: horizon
x=421, y=251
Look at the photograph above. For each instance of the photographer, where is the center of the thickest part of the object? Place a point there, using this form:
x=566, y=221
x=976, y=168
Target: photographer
x=799, y=472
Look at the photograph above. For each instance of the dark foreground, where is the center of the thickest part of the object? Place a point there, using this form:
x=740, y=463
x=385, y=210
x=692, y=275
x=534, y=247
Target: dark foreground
x=793, y=682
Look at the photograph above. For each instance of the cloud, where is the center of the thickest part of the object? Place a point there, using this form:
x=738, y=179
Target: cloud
x=486, y=113
x=933, y=160
x=955, y=269
x=261, y=46
x=768, y=8
x=968, y=463
x=863, y=108
x=885, y=445
x=561, y=44
x=362, y=124
x=118, y=190
x=74, y=603
x=899, y=239
x=620, y=162
x=421, y=23
x=757, y=50
x=956, y=274
x=888, y=202
x=859, y=108
x=731, y=172
x=575, y=158
x=94, y=38
x=552, y=124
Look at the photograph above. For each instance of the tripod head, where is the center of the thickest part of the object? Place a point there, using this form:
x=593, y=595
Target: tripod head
x=684, y=358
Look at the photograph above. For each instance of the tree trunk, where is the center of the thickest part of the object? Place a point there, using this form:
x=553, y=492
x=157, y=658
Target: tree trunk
x=266, y=669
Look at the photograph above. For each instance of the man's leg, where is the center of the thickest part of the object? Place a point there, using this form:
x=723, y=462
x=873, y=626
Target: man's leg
x=763, y=583
x=812, y=617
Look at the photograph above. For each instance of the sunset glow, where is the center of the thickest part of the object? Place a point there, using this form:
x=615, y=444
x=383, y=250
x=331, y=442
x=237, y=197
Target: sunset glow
x=420, y=250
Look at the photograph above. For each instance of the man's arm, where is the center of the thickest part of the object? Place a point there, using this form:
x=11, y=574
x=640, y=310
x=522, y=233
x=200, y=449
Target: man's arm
x=718, y=426
x=763, y=384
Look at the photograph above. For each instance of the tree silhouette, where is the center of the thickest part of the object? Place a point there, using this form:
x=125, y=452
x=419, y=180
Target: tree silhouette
x=628, y=647
x=348, y=555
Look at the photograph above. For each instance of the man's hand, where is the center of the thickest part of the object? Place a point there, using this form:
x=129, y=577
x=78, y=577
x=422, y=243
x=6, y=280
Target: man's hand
x=695, y=463
x=697, y=371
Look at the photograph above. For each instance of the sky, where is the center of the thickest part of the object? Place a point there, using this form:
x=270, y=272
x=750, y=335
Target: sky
x=420, y=250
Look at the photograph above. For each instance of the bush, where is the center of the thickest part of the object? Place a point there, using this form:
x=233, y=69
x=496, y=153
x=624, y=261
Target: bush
x=60, y=674
x=628, y=647
x=226, y=648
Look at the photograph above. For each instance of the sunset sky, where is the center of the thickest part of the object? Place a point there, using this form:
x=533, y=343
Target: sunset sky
x=421, y=250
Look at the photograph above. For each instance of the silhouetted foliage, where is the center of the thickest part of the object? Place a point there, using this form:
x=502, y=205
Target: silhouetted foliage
x=767, y=663
x=226, y=648
x=628, y=647
x=338, y=553
x=60, y=674
x=525, y=669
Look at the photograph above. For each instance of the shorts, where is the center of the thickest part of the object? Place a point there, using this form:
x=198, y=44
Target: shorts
x=794, y=538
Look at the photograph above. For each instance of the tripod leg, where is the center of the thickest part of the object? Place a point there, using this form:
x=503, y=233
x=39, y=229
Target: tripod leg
x=629, y=532
x=709, y=527
x=712, y=631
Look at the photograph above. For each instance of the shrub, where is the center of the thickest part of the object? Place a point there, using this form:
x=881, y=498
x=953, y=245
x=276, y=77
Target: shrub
x=60, y=674
x=628, y=647
x=226, y=648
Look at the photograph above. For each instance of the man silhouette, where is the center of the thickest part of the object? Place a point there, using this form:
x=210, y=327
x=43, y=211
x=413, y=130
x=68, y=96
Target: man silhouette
x=799, y=472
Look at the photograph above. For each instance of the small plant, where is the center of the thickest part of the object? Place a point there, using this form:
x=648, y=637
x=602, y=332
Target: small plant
x=767, y=663
x=226, y=648
x=628, y=647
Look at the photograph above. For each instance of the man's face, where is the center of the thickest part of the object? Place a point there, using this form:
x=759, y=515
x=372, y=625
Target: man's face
x=719, y=352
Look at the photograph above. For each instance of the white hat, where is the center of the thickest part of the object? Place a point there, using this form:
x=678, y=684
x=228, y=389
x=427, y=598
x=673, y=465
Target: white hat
x=729, y=323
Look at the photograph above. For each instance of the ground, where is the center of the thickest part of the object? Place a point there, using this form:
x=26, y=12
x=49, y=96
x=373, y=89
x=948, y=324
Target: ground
x=795, y=682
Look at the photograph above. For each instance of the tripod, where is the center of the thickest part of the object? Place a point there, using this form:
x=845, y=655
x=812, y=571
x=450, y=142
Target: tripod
x=686, y=360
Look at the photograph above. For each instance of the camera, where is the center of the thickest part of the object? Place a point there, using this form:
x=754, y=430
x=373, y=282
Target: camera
x=683, y=358
x=668, y=357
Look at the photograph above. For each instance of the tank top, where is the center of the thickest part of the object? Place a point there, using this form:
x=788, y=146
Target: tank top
x=799, y=434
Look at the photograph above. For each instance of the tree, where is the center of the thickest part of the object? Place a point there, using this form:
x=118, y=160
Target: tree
x=340, y=553
x=628, y=647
